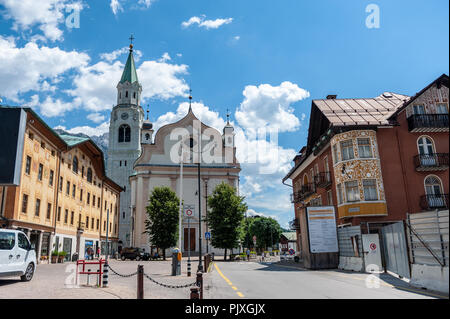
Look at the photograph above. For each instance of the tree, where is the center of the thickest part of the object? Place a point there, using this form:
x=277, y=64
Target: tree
x=225, y=217
x=267, y=231
x=162, y=218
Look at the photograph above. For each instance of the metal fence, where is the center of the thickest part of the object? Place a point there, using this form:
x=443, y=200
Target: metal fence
x=428, y=237
x=350, y=241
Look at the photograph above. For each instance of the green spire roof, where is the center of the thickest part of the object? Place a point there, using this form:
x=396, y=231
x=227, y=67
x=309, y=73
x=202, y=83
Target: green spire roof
x=129, y=73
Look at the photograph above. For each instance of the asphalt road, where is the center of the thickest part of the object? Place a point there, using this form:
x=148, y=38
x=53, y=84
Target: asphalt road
x=253, y=280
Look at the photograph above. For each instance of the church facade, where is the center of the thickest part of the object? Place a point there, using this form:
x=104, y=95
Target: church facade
x=139, y=161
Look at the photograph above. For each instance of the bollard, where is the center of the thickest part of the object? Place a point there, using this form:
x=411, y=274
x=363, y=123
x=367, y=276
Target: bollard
x=194, y=293
x=189, y=269
x=140, y=282
x=105, y=275
x=200, y=283
x=89, y=273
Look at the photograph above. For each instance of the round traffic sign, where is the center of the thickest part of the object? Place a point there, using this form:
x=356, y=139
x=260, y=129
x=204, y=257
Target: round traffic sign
x=291, y=251
x=189, y=212
x=373, y=246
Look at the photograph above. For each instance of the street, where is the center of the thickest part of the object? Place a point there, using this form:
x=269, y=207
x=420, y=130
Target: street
x=253, y=280
x=226, y=280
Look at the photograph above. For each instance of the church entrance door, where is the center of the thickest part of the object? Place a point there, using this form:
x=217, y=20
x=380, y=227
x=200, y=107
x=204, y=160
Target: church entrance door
x=192, y=239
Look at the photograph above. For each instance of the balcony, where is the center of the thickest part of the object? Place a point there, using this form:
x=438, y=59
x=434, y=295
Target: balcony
x=304, y=192
x=431, y=202
x=294, y=224
x=323, y=180
x=428, y=123
x=431, y=162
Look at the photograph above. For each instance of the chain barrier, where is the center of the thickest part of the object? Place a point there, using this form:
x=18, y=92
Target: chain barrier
x=170, y=286
x=120, y=275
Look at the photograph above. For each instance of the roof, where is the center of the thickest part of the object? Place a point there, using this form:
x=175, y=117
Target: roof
x=291, y=236
x=129, y=73
x=369, y=111
x=71, y=140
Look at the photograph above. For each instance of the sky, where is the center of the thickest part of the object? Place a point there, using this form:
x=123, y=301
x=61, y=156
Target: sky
x=264, y=61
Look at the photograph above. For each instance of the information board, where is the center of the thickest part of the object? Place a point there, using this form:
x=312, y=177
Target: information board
x=322, y=229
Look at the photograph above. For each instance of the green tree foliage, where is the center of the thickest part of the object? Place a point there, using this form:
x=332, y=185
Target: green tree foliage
x=162, y=218
x=267, y=231
x=225, y=217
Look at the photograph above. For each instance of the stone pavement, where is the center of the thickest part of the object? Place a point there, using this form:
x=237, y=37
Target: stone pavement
x=55, y=281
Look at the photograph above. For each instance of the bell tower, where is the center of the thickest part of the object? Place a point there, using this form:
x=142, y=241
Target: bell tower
x=124, y=147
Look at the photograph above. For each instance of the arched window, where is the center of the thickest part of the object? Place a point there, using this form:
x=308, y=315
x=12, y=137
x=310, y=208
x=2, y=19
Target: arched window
x=89, y=175
x=134, y=95
x=147, y=136
x=433, y=191
x=75, y=165
x=124, y=133
x=126, y=93
x=426, y=151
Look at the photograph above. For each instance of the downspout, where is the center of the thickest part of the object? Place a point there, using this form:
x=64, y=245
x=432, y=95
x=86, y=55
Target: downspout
x=403, y=170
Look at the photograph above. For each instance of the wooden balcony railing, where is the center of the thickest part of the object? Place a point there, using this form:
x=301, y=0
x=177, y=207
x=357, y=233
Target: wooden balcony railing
x=428, y=123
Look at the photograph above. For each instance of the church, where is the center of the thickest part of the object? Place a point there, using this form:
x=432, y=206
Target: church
x=187, y=153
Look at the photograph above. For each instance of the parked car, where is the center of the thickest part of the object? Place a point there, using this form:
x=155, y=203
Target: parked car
x=17, y=255
x=134, y=253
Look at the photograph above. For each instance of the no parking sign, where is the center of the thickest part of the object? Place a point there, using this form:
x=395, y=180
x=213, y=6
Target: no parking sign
x=189, y=211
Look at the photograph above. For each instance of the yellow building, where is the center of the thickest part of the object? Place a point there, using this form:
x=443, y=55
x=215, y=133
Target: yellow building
x=64, y=195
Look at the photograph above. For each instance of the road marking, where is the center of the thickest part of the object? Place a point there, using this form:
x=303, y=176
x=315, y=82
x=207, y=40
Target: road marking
x=228, y=281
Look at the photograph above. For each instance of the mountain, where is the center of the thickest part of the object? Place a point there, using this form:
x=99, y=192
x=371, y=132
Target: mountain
x=101, y=141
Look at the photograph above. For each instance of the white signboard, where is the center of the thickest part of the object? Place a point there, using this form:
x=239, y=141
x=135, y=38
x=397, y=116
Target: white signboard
x=189, y=211
x=322, y=229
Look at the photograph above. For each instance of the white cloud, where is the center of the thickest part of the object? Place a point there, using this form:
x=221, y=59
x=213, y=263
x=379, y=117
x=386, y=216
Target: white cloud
x=270, y=106
x=32, y=67
x=88, y=130
x=48, y=15
x=115, y=6
x=50, y=107
x=207, y=24
x=165, y=57
x=96, y=117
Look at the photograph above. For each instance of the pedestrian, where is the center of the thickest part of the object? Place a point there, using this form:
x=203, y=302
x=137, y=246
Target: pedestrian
x=262, y=256
x=248, y=254
x=91, y=251
x=98, y=252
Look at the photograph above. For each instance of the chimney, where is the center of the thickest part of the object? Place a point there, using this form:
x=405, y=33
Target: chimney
x=331, y=97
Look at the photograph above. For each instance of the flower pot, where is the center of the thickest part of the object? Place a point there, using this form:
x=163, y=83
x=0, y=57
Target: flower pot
x=54, y=259
x=61, y=259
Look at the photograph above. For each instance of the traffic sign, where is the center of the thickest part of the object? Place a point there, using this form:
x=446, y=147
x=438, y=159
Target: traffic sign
x=207, y=235
x=291, y=252
x=189, y=211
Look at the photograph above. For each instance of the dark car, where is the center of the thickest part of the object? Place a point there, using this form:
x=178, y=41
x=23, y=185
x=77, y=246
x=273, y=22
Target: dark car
x=134, y=253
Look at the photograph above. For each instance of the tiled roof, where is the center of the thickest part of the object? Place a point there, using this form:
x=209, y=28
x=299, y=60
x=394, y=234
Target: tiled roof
x=290, y=235
x=73, y=140
x=372, y=111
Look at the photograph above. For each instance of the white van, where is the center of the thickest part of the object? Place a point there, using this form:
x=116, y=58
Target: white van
x=17, y=256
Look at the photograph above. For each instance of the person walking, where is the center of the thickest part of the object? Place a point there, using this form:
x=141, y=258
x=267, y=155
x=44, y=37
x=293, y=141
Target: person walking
x=248, y=254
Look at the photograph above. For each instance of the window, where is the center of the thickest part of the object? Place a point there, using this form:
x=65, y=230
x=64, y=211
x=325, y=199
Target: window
x=335, y=154
x=441, y=108
x=340, y=194
x=347, y=150
x=72, y=215
x=42, y=144
x=126, y=93
x=104, y=225
x=88, y=198
x=50, y=179
x=370, y=189
x=352, y=191
x=364, y=148
x=38, y=207
x=68, y=188
x=89, y=175
x=93, y=200
x=49, y=210
x=58, y=216
x=125, y=163
x=7, y=241
x=123, y=215
x=24, y=203
x=81, y=195
x=92, y=223
x=66, y=216
x=106, y=205
x=28, y=165
x=75, y=165
x=98, y=223
x=41, y=168
x=98, y=202
x=419, y=109
x=82, y=171
x=87, y=221
x=61, y=180
x=23, y=241
x=124, y=133
x=426, y=151
x=330, y=198
x=31, y=136
x=433, y=191
x=134, y=95
x=74, y=189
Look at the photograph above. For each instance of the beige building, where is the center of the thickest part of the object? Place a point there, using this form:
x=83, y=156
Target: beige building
x=64, y=196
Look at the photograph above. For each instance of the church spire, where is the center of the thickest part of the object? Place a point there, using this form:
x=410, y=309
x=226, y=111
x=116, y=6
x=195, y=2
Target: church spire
x=129, y=73
x=190, y=100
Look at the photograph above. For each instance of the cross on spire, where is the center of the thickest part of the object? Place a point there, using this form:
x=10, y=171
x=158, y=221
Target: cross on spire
x=131, y=42
x=190, y=99
x=147, y=111
x=228, y=116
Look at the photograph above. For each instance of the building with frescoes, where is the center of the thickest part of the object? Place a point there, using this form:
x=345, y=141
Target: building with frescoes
x=374, y=160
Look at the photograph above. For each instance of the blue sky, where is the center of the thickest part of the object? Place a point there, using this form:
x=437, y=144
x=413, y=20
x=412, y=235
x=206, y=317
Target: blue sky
x=265, y=61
